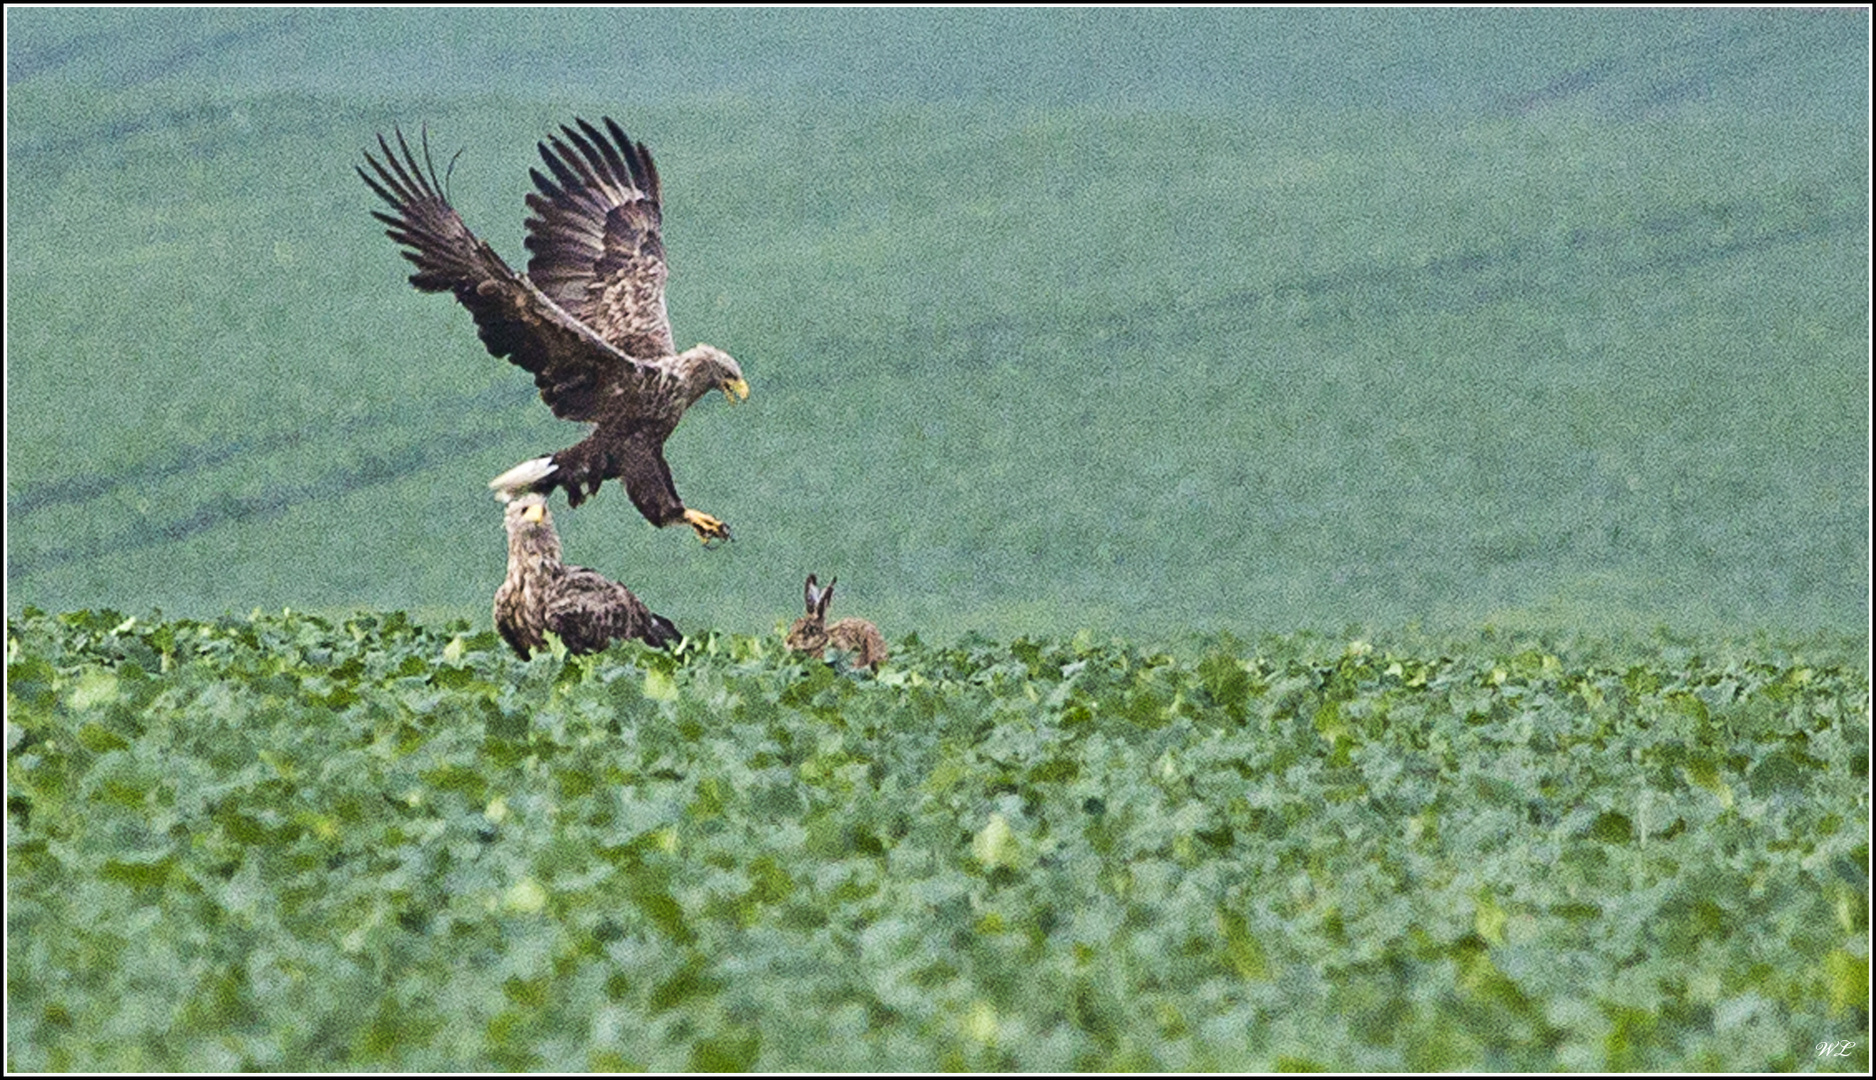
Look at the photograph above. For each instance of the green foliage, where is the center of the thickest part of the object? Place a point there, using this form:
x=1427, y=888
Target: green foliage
x=292, y=842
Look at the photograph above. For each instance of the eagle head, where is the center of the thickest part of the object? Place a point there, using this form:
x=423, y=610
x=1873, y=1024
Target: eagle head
x=531, y=534
x=526, y=513
x=704, y=368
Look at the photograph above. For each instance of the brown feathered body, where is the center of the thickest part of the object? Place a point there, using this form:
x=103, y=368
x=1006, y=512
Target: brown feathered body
x=587, y=320
x=543, y=593
x=858, y=642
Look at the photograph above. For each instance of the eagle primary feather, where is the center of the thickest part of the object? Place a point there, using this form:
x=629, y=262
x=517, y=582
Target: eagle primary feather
x=594, y=235
x=587, y=320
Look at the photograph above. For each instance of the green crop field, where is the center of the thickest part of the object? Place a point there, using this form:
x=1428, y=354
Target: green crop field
x=1371, y=511
x=293, y=843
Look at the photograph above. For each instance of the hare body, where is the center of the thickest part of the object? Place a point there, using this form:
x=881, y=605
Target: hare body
x=858, y=642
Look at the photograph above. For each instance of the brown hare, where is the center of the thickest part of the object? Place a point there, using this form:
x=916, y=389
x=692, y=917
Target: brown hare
x=858, y=642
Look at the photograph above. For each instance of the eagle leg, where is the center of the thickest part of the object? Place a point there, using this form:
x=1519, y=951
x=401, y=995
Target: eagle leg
x=578, y=491
x=708, y=528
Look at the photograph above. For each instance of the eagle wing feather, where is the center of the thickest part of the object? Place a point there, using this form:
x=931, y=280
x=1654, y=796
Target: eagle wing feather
x=588, y=611
x=595, y=237
x=580, y=374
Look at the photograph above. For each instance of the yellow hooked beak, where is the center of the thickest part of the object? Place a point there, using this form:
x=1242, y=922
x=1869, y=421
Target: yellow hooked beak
x=536, y=513
x=735, y=389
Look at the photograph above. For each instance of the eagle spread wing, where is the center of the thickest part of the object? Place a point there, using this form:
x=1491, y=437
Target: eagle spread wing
x=597, y=251
x=575, y=368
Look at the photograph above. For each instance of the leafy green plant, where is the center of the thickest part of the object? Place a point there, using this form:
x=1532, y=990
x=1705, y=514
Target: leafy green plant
x=293, y=842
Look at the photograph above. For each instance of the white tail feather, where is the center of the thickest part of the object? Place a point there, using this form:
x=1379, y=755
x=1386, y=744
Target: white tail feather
x=521, y=477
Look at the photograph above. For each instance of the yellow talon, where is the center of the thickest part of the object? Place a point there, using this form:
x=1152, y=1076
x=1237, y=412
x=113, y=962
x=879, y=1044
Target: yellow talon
x=708, y=528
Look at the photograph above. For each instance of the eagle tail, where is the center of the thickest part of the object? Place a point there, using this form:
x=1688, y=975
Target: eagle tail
x=660, y=632
x=523, y=478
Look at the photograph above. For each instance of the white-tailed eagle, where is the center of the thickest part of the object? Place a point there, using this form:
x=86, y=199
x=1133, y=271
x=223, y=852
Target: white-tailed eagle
x=587, y=319
x=542, y=593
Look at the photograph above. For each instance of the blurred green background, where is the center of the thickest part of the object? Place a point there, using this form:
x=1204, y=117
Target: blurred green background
x=1138, y=321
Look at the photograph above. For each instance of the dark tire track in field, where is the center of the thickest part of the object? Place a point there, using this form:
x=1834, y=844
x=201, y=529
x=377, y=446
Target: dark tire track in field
x=201, y=457
x=1656, y=76
x=1667, y=240
x=373, y=471
x=1660, y=240
x=198, y=51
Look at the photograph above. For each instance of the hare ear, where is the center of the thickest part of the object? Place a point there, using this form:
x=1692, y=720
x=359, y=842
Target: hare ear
x=827, y=597
x=810, y=594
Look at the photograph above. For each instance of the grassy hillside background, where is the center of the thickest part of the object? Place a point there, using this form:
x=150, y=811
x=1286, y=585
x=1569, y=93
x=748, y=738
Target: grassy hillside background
x=1143, y=322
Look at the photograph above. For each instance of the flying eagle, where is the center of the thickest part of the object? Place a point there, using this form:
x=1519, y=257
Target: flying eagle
x=587, y=319
x=542, y=593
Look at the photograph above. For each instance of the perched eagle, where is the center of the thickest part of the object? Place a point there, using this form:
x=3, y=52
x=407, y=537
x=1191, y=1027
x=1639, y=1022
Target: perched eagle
x=587, y=319
x=543, y=593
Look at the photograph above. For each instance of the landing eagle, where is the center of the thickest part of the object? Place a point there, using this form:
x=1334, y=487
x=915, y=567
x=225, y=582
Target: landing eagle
x=587, y=319
x=542, y=593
